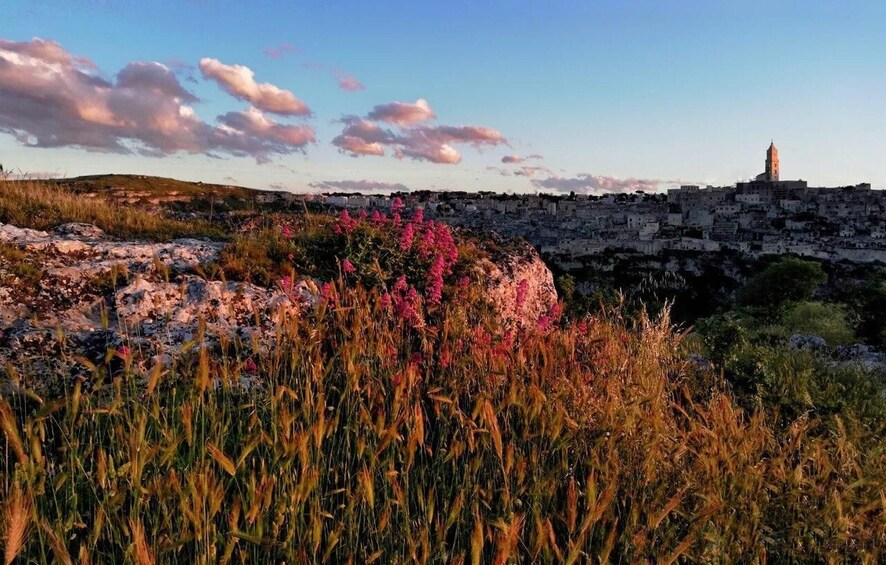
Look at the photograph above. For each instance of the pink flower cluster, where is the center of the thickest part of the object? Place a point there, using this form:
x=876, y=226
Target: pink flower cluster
x=429, y=243
x=407, y=237
x=522, y=288
x=435, y=281
x=548, y=321
x=405, y=301
x=346, y=224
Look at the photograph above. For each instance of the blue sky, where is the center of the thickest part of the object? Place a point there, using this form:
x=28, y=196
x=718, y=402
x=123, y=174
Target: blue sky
x=616, y=94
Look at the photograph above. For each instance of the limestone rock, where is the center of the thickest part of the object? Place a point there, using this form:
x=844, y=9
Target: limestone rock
x=519, y=285
x=812, y=343
x=70, y=311
x=864, y=356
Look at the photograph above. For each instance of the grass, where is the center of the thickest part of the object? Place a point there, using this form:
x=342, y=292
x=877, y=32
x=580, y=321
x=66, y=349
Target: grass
x=20, y=265
x=42, y=205
x=369, y=441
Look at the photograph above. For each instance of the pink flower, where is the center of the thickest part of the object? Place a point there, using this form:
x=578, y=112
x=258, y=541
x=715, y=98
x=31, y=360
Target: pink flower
x=406, y=237
x=463, y=283
x=427, y=244
x=250, y=367
x=445, y=243
x=386, y=301
x=286, y=284
x=396, y=205
x=347, y=266
x=286, y=231
x=408, y=307
x=482, y=339
x=362, y=215
x=544, y=323
x=522, y=288
x=326, y=290
x=547, y=321
x=124, y=352
x=346, y=224
x=435, y=281
x=445, y=357
x=418, y=217
x=377, y=218
x=400, y=285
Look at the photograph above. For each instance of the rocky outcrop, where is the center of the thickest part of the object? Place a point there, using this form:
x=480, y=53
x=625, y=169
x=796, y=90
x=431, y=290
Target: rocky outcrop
x=859, y=356
x=71, y=295
x=519, y=285
x=171, y=313
x=863, y=356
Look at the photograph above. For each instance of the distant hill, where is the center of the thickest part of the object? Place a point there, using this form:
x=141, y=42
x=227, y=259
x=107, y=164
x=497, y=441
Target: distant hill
x=141, y=189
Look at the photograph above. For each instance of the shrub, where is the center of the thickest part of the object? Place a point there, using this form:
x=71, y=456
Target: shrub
x=827, y=321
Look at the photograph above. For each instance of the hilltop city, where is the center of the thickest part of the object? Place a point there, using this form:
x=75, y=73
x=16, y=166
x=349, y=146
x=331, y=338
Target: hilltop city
x=766, y=215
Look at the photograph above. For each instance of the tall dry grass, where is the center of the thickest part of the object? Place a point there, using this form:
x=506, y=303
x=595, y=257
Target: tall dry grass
x=42, y=205
x=365, y=440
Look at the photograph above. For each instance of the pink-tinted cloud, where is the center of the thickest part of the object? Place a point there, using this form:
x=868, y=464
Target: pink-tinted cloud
x=586, y=183
x=433, y=144
x=277, y=52
x=402, y=113
x=530, y=171
x=362, y=186
x=49, y=98
x=363, y=136
x=474, y=135
x=239, y=82
x=345, y=80
x=441, y=153
x=349, y=82
x=245, y=131
x=516, y=159
x=47, y=51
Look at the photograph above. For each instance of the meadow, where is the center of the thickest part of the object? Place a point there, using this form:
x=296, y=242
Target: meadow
x=398, y=420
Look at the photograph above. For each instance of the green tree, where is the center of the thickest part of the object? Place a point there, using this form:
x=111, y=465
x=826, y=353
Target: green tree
x=788, y=280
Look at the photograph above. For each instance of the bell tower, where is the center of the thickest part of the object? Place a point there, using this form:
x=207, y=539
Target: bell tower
x=772, y=163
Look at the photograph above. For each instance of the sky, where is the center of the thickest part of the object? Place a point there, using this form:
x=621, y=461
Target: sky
x=511, y=96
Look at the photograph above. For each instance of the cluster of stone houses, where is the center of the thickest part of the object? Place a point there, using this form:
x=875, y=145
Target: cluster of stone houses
x=757, y=218
x=763, y=216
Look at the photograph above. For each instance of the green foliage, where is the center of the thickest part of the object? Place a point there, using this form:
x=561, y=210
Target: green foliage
x=565, y=288
x=827, y=321
x=765, y=371
x=866, y=303
x=787, y=280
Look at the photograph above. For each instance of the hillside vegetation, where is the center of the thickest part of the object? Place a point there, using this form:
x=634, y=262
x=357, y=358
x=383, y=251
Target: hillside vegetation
x=399, y=420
